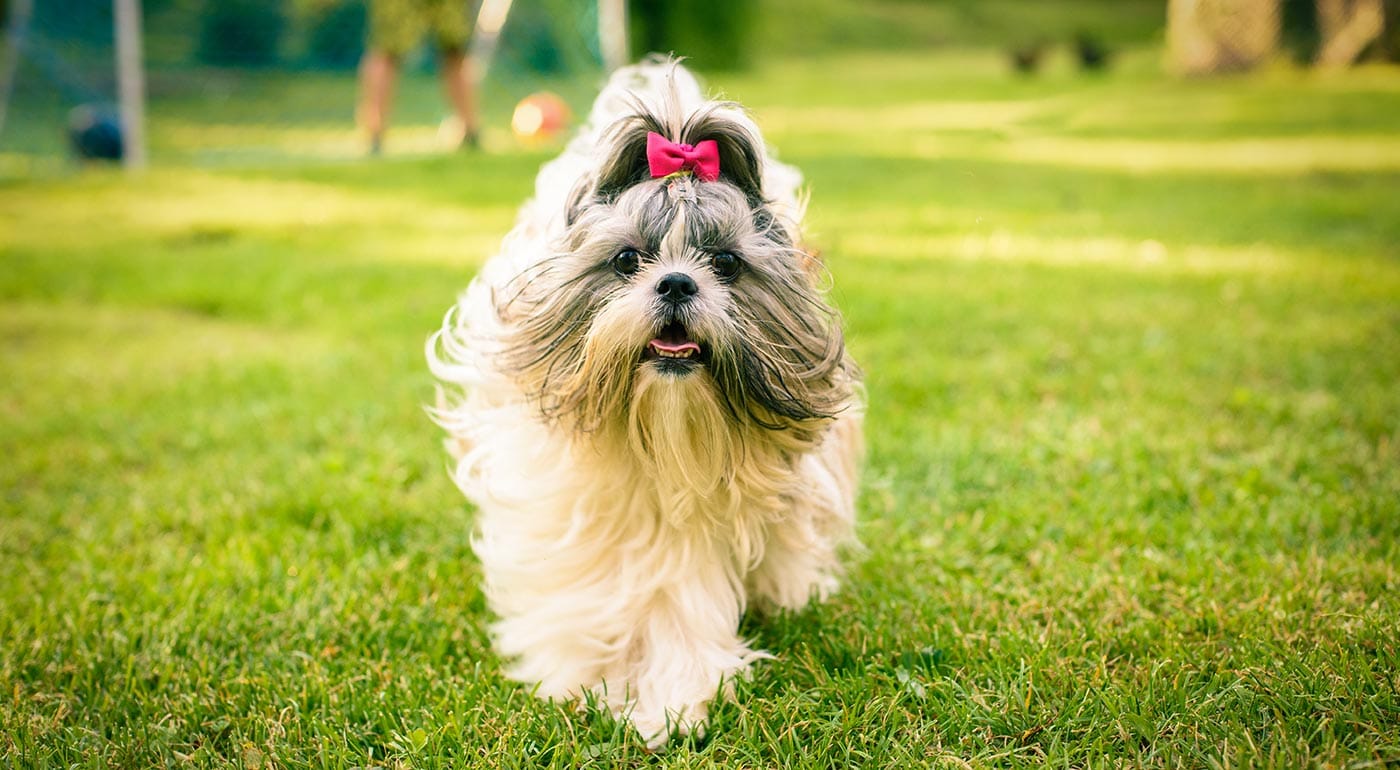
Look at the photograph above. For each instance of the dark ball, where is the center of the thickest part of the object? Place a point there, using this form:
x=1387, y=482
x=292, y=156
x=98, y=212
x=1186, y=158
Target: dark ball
x=95, y=133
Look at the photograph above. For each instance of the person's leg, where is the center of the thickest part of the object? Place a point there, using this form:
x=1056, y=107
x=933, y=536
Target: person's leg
x=377, y=72
x=395, y=28
x=455, y=68
x=452, y=29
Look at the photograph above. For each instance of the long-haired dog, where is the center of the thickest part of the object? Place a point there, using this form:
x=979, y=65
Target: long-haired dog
x=650, y=402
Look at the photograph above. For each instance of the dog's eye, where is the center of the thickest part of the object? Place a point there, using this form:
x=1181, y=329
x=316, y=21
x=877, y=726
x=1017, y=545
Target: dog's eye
x=627, y=261
x=726, y=265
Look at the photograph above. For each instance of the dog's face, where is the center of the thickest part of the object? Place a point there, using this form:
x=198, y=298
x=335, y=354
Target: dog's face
x=678, y=282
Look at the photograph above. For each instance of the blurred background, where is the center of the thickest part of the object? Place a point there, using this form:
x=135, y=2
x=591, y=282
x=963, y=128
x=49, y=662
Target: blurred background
x=273, y=80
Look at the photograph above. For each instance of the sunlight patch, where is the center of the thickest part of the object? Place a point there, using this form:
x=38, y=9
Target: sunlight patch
x=58, y=357
x=1285, y=155
x=1005, y=246
x=193, y=205
x=919, y=116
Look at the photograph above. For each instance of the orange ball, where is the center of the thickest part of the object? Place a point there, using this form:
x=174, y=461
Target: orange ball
x=539, y=118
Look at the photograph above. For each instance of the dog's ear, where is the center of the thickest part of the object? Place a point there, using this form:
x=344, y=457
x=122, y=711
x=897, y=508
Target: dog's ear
x=741, y=159
x=623, y=148
x=625, y=154
x=767, y=223
x=740, y=150
x=578, y=197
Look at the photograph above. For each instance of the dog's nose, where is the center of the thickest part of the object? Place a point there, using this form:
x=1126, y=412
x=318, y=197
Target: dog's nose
x=677, y=287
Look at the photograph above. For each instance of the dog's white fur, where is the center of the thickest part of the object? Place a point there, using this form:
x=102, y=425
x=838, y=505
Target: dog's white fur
x=620, y=552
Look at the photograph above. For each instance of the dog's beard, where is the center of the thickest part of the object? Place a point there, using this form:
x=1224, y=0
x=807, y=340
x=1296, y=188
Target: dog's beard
x=680, y=432
x=757, y=356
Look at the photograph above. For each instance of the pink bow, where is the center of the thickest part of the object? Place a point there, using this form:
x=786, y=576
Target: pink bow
x=667, y=157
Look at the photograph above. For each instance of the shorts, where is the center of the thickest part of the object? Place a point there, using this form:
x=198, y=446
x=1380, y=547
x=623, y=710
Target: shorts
x=397, y=26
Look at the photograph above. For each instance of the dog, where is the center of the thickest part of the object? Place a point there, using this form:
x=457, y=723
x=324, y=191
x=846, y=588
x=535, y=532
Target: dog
x=648, y=397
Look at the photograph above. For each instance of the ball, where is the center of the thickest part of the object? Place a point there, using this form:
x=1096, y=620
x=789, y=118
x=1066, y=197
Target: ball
x=539, y=118
x=95, y=133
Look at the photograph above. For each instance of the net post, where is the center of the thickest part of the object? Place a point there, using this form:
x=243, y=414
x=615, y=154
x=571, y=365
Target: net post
x=131, y=85
x=612, y=32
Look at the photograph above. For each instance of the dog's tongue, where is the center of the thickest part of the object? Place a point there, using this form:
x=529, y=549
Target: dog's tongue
x=675, y=347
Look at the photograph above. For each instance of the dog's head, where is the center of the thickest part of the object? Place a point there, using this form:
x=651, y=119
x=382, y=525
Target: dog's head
x=680, y=285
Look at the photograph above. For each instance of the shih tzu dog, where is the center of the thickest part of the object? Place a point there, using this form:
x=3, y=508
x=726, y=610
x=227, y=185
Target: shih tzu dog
x=649, y=400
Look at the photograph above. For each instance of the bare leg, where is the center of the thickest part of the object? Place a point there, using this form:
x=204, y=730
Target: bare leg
x=377, y=72
x=455, y=69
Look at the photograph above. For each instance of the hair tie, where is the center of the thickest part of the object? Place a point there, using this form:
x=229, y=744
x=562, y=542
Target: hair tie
x=681, y=187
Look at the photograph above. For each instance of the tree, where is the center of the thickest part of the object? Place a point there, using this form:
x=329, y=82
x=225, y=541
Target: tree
x=1210, y=36
x=1348, y=28
x=241, y=32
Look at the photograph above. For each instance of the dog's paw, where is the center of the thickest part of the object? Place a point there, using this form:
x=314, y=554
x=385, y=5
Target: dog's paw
x=657, y=727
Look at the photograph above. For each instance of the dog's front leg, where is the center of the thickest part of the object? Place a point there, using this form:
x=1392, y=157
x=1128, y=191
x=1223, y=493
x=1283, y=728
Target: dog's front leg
x=798, y=567
x=801, y=552
x=687, y=652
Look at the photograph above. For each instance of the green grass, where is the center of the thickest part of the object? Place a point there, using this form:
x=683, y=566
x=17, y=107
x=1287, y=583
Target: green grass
x=1132, y=495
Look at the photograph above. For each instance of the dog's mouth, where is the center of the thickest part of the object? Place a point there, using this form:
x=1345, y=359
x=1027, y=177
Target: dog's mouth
x=673, y=348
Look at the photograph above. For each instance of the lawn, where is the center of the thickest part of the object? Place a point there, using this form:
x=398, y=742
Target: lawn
x=1132, y=494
